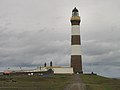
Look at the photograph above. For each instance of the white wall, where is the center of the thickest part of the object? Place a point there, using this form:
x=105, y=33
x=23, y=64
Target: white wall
x=63, y=70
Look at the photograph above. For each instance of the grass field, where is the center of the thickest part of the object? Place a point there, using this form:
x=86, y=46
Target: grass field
x=94, y=82
x=54, y=82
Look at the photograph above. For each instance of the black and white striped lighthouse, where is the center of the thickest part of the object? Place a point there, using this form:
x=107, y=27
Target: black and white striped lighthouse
x=76, y=56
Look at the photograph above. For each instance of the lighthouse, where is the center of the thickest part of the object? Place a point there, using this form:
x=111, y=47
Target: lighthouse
x=76, y=56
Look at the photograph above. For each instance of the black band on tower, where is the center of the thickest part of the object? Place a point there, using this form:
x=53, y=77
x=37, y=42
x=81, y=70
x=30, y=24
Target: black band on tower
x=75, y=40
x=76, y=62
x=75, y=22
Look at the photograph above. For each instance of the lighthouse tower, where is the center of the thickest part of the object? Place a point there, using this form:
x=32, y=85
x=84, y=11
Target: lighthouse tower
x=76, y=56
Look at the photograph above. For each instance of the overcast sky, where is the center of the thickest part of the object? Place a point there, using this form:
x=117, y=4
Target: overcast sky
x=36, y=31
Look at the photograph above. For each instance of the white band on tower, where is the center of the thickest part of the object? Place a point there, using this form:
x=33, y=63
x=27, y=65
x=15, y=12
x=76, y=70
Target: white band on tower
x=76, y=50
x=75, y=30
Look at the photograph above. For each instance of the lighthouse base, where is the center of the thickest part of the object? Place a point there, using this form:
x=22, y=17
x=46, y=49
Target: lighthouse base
x=76, y=63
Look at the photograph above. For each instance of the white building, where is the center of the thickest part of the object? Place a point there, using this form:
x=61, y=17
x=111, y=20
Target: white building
x=59, y=69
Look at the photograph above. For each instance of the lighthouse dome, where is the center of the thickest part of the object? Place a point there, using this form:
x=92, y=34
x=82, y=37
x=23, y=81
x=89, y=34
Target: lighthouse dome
x=75, y=19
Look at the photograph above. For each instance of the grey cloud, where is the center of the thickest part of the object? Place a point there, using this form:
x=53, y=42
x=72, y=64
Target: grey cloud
x=99, y=48
x=30, y=48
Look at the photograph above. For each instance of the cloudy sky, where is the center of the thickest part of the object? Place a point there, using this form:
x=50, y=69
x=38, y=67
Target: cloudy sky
x=36, y=31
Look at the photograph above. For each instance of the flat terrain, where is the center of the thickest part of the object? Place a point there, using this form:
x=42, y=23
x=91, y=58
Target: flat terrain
x=94, y=82
x=54, y=82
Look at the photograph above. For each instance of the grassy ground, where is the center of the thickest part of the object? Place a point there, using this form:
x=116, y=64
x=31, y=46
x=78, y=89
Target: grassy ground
x=94, y=82
x=54, y=82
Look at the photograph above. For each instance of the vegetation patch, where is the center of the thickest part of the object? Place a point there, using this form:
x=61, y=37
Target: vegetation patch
x=95, y=82
x=53, y=82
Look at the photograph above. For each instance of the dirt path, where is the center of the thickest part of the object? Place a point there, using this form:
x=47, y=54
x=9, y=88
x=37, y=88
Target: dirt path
x=77, y=84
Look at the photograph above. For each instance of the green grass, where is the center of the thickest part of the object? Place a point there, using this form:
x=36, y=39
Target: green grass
x=94, y=82
x=54, y=82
